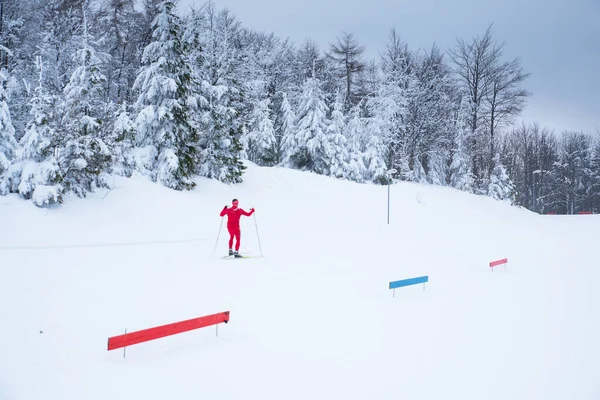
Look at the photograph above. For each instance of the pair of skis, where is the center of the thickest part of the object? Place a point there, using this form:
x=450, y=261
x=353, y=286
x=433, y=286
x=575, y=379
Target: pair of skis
x=233, y=257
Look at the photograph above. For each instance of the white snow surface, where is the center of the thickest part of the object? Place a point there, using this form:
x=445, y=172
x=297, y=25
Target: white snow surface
x=314, y=317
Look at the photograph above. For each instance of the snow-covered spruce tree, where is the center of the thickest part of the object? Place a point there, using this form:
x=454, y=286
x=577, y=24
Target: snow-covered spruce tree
x=430, y=116
x=500, y=186
x=167, y=138
x=220, y=143
x=20, y=24
x=257, y=70
x=386, y=111
x=83, y=156
x=461, y=175
x=278, y=67
x=122, y=28
x=286, y=131
x=60, y=39
x=261, y=135
x=311, y=147
x=8, y=143
x=388, y=108
x=336, y=148
x=222, y=118
x=40, y=173
x=375, y=156
x=354, y=132
x=122, y=141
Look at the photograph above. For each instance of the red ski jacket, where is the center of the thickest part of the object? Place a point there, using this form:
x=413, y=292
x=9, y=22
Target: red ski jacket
x=234, y=215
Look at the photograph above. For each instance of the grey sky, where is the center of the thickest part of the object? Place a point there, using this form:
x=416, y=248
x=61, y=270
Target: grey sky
x=558, y=41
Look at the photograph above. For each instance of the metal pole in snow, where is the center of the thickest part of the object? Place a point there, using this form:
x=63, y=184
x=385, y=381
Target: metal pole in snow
x=218, y=234
x=257, y=235
x=389, y=178
x=124, y=348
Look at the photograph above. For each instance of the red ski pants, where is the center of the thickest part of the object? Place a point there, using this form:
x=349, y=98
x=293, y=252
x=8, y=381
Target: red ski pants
x=234, y=232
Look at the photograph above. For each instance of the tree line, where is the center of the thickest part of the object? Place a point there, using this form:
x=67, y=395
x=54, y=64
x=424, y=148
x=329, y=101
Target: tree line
x=89, y=89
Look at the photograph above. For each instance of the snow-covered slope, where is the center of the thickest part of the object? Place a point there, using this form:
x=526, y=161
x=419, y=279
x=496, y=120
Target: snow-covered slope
x=314, y=317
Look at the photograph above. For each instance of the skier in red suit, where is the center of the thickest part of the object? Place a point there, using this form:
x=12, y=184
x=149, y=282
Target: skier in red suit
x=233, y=224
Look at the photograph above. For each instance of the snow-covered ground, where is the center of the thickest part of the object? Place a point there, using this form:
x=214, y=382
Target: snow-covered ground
x=314, y=317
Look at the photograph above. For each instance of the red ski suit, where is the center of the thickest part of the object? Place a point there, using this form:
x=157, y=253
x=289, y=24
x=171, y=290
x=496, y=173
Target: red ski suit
x=233, y=223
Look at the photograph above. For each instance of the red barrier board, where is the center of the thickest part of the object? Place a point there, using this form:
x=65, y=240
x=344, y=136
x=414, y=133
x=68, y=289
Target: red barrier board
x=499, y=262
x=157, y=332
x=585, y=212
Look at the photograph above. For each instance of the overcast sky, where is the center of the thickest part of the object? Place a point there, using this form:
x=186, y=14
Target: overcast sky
x=558, y=41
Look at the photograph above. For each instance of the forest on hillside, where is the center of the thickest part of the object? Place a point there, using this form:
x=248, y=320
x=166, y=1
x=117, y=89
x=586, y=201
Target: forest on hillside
x=94, y=88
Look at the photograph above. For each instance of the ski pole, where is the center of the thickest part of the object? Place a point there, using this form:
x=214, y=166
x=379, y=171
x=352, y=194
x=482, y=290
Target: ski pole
x=257, y=235
x=218, y=234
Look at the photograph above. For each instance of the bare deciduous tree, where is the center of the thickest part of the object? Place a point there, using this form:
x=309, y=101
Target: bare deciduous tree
x=504, y=98
x=347, y=55
x=474, y=63
x=494, y=92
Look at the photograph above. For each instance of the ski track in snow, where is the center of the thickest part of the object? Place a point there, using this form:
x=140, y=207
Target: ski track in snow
x=314, y=317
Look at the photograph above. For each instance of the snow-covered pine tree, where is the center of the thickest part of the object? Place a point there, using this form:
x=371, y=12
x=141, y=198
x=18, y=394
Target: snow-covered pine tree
x=461, y=175
x=355, y=132
x=311, y=150
x=286, y=130
x=8, y=143
x=222, y=119
x=40, y=178
x=500, y=186
x=167, y=136
x=83, y=156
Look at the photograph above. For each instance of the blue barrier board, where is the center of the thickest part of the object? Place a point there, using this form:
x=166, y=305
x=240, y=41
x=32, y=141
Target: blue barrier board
x=408, y=282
